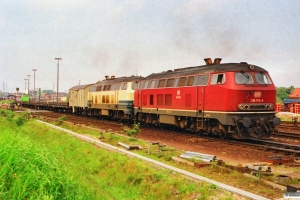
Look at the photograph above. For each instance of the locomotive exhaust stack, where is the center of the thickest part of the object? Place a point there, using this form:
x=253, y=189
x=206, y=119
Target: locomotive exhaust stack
x=208, y=61
x=217, y=61
x=108, y=78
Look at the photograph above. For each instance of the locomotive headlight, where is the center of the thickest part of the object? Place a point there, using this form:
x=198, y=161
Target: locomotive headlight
x=241, y=107
x=271, y=107
x=267, y=106
x=246, y=107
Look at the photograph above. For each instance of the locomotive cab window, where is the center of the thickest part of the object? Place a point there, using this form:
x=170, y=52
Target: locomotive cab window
x=217, y=79
x=243, y=78
x=262, y=78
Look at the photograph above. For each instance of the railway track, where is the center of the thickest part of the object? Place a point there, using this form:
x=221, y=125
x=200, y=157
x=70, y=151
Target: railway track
x=263, y=145
x=294, y=126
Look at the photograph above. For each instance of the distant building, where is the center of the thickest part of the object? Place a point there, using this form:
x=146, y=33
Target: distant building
x=295, y=94
x=290, y=103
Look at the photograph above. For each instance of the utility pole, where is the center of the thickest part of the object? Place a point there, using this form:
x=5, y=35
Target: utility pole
x=25, y=79
x=53, y=92
x=34, y=70
x=58, y=59
x=28, y=84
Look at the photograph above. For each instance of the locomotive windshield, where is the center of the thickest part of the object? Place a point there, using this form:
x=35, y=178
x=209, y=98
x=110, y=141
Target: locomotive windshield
x=262, y=78
x=243, y=78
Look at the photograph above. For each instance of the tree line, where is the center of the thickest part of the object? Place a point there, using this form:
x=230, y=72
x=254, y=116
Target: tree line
x=283, y=93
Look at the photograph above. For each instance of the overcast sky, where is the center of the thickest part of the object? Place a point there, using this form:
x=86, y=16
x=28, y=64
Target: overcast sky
x=139, y=37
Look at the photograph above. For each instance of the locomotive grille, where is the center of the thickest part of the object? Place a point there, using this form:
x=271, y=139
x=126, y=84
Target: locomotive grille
x=257, y=107
x=267, y=106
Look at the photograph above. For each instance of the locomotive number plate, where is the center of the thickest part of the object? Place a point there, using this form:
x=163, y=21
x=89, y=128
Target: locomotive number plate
x=257, y=100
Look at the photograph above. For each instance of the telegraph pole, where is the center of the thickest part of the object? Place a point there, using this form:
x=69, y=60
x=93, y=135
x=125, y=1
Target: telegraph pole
x=28, y=84
x=58, y=59
x=25, y=79
x=34, y=70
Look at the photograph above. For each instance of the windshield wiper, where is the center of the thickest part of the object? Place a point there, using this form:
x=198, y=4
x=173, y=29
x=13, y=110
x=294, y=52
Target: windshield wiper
x=246, y=75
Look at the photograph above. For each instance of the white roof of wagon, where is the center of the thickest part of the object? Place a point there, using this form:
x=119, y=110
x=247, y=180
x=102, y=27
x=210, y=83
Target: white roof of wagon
x=78, y=87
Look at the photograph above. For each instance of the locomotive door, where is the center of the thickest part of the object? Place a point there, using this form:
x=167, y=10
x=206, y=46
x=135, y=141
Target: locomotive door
x=116, y=99
x=200, y=106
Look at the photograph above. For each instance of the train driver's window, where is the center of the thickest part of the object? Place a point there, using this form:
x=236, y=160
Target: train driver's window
x=262, y=78
x=182, y=81
x=243, y=78
x=123, y=86
x=217, y=79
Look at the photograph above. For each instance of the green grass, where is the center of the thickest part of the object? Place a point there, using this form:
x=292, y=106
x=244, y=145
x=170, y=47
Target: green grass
x=43, y=163
x=165, y=154
x=28, y=171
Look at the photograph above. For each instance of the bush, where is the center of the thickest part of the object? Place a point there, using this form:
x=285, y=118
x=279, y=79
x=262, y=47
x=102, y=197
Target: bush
x=134, y=131
x=61, y=119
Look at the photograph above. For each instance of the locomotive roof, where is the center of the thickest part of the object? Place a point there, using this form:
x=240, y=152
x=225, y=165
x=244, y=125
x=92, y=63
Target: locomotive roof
x=204, y=69
x=119, y=80
x=77, y=87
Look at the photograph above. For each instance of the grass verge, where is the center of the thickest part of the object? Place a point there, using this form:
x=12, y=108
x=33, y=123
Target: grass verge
x=37, y=157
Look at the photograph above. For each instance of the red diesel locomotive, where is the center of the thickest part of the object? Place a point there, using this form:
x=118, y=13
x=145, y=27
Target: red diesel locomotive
x=230, y=99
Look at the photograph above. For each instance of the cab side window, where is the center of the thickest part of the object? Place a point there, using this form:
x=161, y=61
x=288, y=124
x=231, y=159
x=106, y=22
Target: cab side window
x=217, y=79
